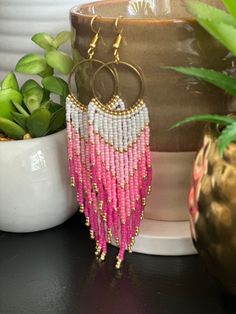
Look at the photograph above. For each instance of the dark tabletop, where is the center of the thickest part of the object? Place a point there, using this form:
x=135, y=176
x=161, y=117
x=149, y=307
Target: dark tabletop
x=55, y=271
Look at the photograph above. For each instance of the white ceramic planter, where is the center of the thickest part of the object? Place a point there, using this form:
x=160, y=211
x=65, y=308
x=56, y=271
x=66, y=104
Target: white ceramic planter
x=20, y=19
x=35, y=192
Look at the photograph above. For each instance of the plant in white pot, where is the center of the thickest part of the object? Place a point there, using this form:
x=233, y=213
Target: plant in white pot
x=34, y=189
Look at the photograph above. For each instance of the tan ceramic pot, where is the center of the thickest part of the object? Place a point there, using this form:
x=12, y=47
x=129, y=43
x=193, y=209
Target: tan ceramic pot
x=162, y=36
x=213, y=208
x=156, y=36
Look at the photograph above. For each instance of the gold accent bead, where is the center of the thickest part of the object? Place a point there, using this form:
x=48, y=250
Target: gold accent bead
x=118, y=263
x=87, y=223
x=27, y=136
x=98, y=251
x=92, y=236
x=72, y=182
x=149, y=190
x=81, y=209
x=103, y=256
x=95, y=187
x=144, y=201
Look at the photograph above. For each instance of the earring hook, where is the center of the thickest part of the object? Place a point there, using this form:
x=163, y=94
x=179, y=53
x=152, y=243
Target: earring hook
x=95, y=31
x=93, y=43
x=119, y=29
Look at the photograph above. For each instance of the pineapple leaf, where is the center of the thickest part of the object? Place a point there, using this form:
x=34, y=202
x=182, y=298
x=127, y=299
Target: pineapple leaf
x=227, y=136
x=203, y=11
x=218, y=23
x=223, y=120
x=221, y=80
x=231, y=6
x=222, y=32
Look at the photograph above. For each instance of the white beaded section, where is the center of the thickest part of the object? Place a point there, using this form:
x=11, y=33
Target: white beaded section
x=127, y=127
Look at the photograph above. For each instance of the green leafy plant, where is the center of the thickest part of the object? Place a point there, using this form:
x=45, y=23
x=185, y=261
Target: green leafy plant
x=32, y=111
x=222, y=26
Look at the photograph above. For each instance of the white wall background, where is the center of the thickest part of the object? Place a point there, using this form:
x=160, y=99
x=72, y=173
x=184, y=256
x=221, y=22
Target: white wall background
x=20, y=19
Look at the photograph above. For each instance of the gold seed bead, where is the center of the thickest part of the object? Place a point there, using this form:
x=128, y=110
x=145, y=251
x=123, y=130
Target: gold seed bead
x=81, y=209
x=95, y=187
x=99, y=249
x=72, y=182
x=103, y=256
x=87, y=223
x=92, y=235
x=144, y=201
x=129, y=249
x=118, y=263
x=117, y=242
x=27, y=136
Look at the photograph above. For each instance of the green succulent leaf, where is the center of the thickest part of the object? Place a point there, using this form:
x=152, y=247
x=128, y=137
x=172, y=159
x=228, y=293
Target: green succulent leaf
x=10, y=81
x=51, y=106
x=33, y=98
x=58, y=120
x=222, y=120
x=60, y=61
x=231, y=6
x=227, y=136
x=221, y=80
x=46, y=96
x=44, y=41
x=20, y=109
x=11, y=129
x=20, y=119
x=7, y=96
x=203, y=11
x=56, y=85
x=31, y=64
x=61, y=38
x=48, y=72
x=38, y=123
x=28, y=85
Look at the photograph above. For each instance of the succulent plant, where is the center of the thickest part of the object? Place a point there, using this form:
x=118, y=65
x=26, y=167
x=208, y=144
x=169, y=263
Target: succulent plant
x=222, y=26
x=31, y=111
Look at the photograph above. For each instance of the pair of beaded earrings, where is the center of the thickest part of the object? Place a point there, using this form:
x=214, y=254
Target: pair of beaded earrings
x=109, y=157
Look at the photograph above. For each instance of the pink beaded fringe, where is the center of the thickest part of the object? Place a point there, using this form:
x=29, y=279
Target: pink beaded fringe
x=110, y=166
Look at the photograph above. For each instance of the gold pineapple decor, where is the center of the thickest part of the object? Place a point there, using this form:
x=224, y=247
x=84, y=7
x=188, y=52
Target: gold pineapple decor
x=212, y=203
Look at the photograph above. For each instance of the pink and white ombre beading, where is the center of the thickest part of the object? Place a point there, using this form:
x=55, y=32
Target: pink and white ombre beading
x=110, y=166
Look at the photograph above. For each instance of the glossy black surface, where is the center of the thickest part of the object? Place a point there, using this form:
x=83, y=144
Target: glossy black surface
x=55, y=272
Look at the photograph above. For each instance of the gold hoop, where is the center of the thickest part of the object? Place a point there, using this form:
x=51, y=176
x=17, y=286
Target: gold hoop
x=138, y=103
x=114, y=74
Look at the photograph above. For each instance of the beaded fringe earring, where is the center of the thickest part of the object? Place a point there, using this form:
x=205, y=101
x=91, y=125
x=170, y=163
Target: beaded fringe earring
x=120, y=164
x=78, y=146
x=109, y=159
